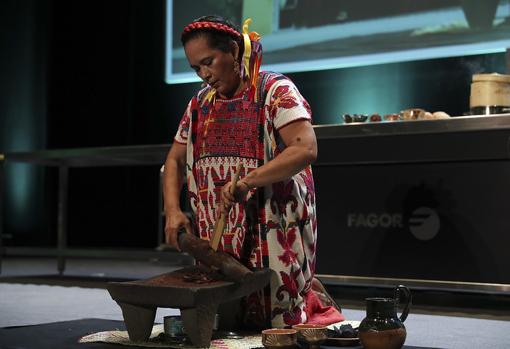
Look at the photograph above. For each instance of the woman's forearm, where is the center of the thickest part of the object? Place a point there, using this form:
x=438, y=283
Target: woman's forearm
x=173, y=178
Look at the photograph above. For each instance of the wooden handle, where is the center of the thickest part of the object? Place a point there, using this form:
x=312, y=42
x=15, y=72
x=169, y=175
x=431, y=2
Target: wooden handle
x=220, y=223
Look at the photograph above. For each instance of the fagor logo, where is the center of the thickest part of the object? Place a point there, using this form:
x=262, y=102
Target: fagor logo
x=424, y=223
x=374, y=220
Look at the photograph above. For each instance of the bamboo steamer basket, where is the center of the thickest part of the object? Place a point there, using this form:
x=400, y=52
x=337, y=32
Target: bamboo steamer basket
x=490, y=90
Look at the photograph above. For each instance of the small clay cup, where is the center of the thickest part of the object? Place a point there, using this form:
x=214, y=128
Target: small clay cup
x=312, y=334
x=279, y=338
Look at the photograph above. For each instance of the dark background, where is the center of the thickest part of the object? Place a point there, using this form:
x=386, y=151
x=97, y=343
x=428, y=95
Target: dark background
x=90, y=73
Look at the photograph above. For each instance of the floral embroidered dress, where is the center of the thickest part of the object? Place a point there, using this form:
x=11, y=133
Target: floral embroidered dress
x=276, y=226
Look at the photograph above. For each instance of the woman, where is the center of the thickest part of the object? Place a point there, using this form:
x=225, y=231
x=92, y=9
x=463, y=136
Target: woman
x=261, y=121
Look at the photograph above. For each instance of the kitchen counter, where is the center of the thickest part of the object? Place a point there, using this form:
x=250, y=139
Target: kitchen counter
x=367, y=173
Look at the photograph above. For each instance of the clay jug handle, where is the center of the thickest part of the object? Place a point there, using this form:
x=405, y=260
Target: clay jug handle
x=407, y=297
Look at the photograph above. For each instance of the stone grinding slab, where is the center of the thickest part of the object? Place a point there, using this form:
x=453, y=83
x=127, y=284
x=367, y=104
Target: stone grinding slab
x=198, y=302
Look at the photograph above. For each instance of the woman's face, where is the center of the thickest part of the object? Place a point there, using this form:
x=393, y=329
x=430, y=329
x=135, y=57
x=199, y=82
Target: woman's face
x=213, y=66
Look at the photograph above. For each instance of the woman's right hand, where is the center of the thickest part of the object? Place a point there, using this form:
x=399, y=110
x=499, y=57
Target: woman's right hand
x=228, y=199
x=175, y=220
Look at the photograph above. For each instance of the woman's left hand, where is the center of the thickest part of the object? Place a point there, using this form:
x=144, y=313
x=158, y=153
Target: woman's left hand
x=228, y=199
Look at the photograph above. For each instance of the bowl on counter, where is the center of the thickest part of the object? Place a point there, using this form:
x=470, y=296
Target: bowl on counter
x=352, y=118
x=343, y=334
x=413, y=114
x=279, y=338
x=392, y=117
x=312, y=334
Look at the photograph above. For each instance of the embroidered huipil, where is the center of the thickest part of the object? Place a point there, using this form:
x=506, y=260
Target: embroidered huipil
x=276, y=226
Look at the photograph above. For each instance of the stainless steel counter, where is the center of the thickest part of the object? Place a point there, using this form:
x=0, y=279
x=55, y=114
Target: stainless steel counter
x=456, y=124
x=64, y=159
x=134, y=155
x=468, y=138
x=350, y=156
x=419, y=202
x=154, y=154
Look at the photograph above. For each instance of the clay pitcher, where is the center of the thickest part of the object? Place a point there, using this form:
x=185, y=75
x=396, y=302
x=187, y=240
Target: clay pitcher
x=382, y=328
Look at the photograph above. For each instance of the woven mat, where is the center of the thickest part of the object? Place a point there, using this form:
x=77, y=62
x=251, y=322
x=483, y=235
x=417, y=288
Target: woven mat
x=157, y=341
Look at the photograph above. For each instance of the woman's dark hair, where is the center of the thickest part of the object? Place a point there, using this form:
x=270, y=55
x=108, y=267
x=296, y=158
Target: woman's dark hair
x=217, y=39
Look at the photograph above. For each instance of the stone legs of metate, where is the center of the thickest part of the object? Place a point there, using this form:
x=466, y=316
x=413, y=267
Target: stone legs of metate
x=139, y=321
x=198, y=323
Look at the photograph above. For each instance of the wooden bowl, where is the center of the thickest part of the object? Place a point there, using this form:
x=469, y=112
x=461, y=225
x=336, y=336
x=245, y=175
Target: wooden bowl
x=312, y=334
x=279, y=338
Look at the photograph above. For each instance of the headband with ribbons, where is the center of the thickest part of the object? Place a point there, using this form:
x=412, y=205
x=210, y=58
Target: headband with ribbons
x=252, y=55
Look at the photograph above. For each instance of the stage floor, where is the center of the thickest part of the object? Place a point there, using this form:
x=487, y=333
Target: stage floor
x=32, y=294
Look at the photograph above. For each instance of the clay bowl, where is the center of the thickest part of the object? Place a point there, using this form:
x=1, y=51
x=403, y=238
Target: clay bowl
x=312, y=334
x=412, y=114
x=279, y=338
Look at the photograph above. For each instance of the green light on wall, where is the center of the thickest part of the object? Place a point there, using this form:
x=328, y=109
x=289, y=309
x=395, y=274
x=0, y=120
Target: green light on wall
x=20, y=188
x=382, y=89
x=22, y=182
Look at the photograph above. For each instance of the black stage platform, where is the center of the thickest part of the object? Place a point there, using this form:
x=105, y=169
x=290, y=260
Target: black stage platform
x=61, y=309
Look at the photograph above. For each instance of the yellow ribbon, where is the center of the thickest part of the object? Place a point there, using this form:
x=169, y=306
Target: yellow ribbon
x=248, y=37
x=247, y=47
x=209, y=97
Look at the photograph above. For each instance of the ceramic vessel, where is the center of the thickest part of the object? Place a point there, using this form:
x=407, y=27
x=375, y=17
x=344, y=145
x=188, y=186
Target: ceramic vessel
x=312, y=334
x=279, y=338
x=382, y=328
x=172, y=326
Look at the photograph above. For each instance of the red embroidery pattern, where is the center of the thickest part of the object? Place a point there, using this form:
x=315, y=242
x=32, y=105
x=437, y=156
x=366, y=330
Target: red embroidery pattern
x=282, y=98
